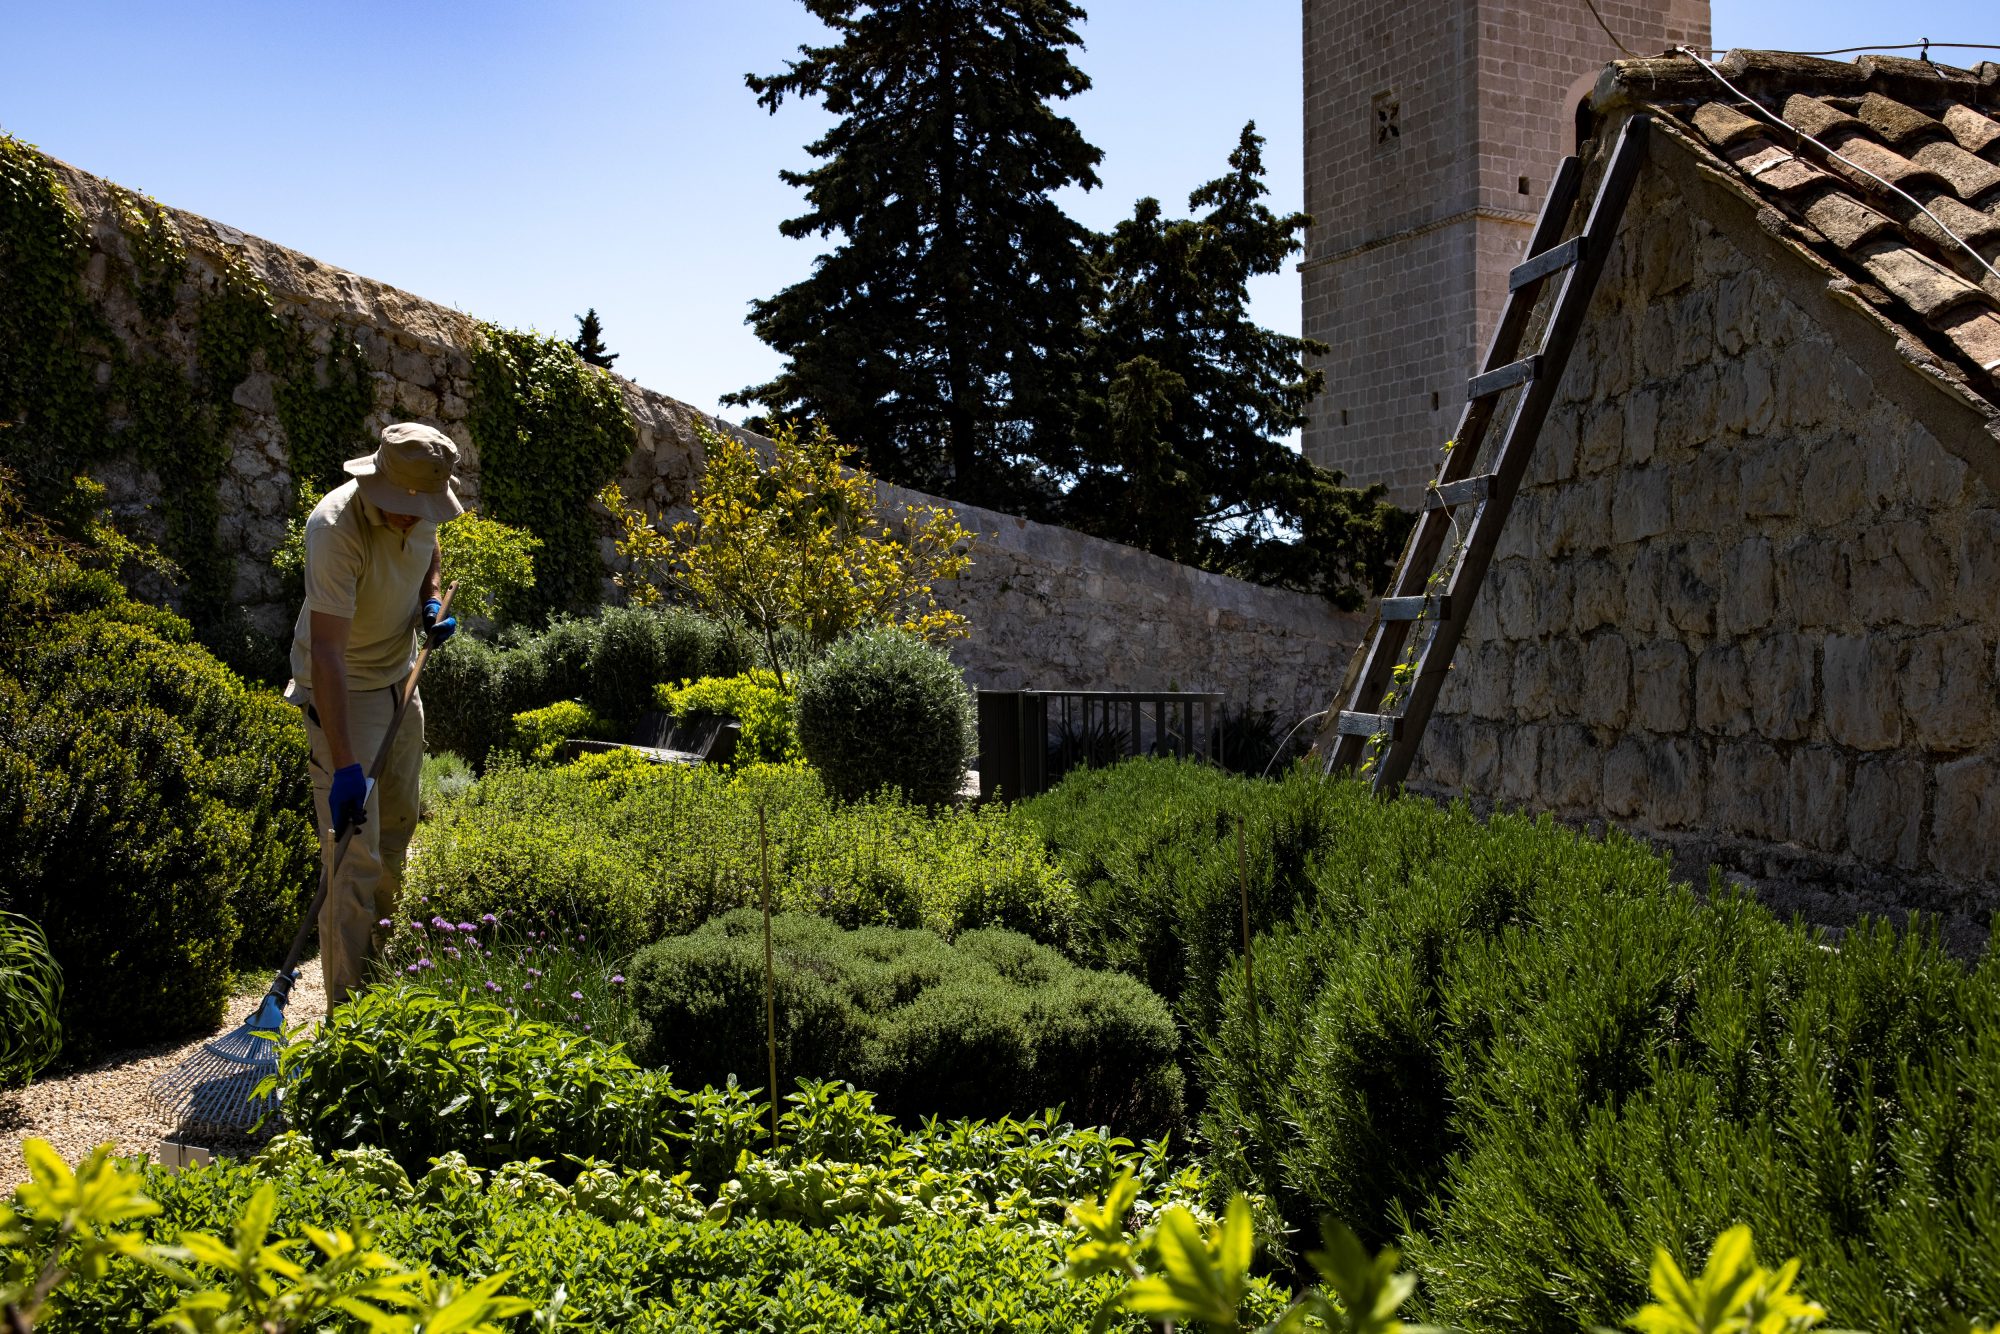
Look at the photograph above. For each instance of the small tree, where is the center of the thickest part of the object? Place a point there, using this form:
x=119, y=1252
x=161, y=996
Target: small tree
x=796, y=547
x=589, y=340
x=491, y=562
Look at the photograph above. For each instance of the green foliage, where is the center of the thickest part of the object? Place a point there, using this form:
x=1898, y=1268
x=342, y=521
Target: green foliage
x=532, y=969
x=154, y=812
x=539, y=733
x=443, y=779
x=551, y=431
x=852, y=1225
x=1732, y=1293
x=612, y=662
x=589, y=340
x=31, y=992
x=989, y=1024
x=1188, y=404
x=76, y=1225
x=939, y=334
x=634, y=852
x=754, y=698
x=492, y=564
x=419, y=1074
x=884, y=710
x=1533, y=1058
x=323, y=397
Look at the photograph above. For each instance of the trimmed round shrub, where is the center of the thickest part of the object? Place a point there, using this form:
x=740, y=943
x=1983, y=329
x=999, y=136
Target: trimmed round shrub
x=990, y=1026
x=883, y=709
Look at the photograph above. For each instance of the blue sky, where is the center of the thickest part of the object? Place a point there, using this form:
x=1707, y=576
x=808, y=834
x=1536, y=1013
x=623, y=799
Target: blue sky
x=522, y=161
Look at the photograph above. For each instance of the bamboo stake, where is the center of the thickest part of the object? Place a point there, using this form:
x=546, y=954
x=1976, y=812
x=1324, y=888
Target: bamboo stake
x=1243, y=890
x=770, y=984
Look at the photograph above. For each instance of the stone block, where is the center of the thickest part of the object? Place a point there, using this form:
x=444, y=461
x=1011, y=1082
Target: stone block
x=1625, y=778
x=257, y=393
x=1948, y=693
x=1598, y=595
x=1572, y=769
x=1579, y=516
x=1803, y=387
x=1748, y=790
x=412, y=366
x=1932, y=477
x=1520, y=765
x=1481, y=777
x=1768, y=480
x=1859, y=673
x=1533, y=697
x=1966, y=819
x=1604, y=696
x=1555, y=599
x=1689, y=585
x=1642, y=425
x=1978, y=595
x=1780, y=672
x=1441, y=757
x=1885, y=812
x=1514, y=591
x=1641, y=504
x=1901, y=575
x=1555, y=449
x=1817, y=799
x=1489, y=679
x=1721, y=694
x=1836, y=491
x=1694, y=319
x=1603, y=438
x=1812, y=583
x=1660, y=686
x=1643, y=614
x=1704, y=493
x=1750, y=587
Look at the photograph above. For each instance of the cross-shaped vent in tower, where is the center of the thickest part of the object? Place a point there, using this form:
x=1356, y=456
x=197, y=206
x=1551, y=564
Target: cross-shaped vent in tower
x=1388, y=119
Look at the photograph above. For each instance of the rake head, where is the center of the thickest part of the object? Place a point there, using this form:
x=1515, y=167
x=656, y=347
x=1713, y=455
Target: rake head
x=214, y=1091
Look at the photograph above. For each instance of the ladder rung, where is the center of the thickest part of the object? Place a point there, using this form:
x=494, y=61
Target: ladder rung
x=1369, y=724
x=1542, y=265
x=1506, y=377
x=1464, y=491
x=1411, y=609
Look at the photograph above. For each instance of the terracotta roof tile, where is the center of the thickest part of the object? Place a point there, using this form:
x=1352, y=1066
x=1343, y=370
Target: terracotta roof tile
x=1975, y=133
x=1970, y=178
x=1901, y=127
x=1932, y=131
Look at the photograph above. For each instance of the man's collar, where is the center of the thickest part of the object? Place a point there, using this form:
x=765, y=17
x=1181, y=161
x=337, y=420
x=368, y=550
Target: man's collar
x=370, y=510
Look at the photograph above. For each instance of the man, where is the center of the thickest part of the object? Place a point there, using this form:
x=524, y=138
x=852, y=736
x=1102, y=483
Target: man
x=371, y=575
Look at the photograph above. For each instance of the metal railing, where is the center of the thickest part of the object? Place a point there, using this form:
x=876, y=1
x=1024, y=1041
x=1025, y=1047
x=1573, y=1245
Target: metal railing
x=1028, y=739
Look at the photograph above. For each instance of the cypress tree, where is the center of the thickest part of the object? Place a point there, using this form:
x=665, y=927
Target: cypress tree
x=589, y=340
x=941, y=335
x=1181, y=435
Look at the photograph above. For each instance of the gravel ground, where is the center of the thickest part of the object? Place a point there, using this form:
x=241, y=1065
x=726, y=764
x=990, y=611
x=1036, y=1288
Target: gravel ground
x=80, y=1110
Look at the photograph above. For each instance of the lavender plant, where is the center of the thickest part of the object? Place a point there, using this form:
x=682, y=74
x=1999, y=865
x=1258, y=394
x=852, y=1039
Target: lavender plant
x=534, y=968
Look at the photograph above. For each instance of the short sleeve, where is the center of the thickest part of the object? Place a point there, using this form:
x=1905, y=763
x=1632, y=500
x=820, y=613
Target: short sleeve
x=333, y=566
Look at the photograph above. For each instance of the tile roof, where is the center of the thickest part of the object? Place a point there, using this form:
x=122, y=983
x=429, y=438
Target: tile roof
x=1903, y=182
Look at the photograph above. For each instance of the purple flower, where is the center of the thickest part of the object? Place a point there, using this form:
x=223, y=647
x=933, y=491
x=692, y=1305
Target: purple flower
x=534, y=972
x=452, y=950
x=489, y=919
x=411, y=969
x=467, y=926
x=383, y=922
x=425, y=963
x=415, y=923
x=576, y=995
x=493, y=986
x=527, y=986
x=586, y=1028
x=579, y=935
x=440, y=924
x=618, y=979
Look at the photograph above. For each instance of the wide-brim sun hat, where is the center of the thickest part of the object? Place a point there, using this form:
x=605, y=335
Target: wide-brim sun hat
x=410, y=473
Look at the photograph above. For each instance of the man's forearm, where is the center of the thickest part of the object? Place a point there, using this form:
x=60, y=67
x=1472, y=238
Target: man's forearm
x=329, y=693
x=433, y=580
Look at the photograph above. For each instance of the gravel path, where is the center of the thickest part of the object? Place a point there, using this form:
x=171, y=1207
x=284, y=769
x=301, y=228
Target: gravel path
x=107, y=1101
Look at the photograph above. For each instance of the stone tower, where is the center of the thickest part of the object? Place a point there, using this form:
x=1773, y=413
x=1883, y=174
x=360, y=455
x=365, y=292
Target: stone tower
x=1432, y=130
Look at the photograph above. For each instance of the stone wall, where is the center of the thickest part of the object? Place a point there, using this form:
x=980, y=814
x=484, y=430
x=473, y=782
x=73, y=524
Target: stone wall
x=1749, y=600
x=1049, y=607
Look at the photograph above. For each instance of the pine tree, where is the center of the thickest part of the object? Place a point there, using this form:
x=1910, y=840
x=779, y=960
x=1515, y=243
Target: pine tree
x=1181, y=435
x=589, y=340
x=941, y=334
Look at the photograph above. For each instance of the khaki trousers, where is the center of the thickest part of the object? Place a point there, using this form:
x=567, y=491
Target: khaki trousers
x=371, y=874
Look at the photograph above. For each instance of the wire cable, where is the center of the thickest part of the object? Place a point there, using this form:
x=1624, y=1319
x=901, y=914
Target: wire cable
x=1891, y=186
x=1926, y=46
x=1607, y=30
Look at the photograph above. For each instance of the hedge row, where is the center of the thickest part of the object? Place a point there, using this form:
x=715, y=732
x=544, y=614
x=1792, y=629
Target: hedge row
x=1531, y=1057
x=988, y=1024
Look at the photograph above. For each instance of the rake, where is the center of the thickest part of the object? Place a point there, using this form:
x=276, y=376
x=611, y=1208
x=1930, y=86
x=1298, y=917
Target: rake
x=215, y=1090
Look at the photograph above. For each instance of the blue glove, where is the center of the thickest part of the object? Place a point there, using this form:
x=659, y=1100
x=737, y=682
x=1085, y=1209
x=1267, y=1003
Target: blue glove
x=439, y=631
x=347, y=800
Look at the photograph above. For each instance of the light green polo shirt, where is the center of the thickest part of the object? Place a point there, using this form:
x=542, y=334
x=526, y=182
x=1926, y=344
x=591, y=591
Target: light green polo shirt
x=358, y=566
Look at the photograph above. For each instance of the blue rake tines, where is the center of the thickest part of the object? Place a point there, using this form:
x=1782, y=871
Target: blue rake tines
x=215, y=1090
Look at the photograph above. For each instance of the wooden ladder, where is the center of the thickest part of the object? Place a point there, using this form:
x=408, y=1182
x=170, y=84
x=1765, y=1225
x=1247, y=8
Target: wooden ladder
x=1436, y=582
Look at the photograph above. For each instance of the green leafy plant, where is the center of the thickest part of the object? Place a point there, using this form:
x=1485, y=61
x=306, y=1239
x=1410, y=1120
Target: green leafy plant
x=539, y=733
x=1733, y=1294
x=31, y=992
x=755, y=699
x=535, y=969
x=492, y=564
x=884, y=710
x=551, y=430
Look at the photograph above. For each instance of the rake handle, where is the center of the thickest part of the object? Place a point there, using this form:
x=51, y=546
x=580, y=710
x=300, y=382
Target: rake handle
x=281, y=985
